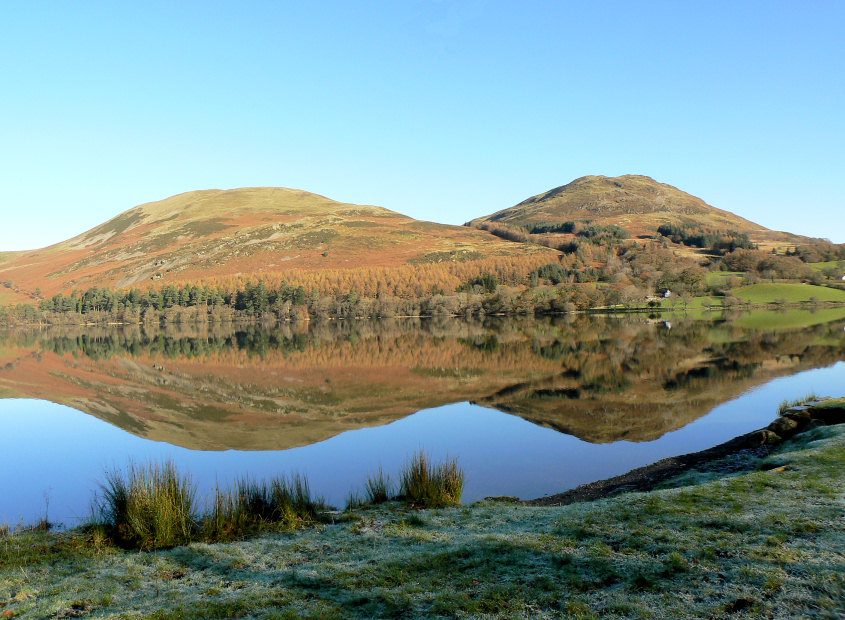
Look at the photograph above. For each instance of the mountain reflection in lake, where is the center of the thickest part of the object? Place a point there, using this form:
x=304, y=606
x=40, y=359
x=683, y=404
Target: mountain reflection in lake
x=590, y=397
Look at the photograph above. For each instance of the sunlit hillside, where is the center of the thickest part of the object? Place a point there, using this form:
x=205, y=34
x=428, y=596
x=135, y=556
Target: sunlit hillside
x=243, y=232
x=639, y=204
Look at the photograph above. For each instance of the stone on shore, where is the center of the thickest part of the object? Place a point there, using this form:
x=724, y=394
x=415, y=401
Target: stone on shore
x=785, y=427
x=763, y=437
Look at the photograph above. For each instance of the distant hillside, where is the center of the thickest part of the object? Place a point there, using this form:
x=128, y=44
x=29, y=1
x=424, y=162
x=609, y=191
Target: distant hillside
x=249, y=231
x=639, y=204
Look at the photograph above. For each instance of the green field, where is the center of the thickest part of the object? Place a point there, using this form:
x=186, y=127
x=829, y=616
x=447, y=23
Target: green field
x=703, y=303
x=830, y=263
x=693, y=303
x=717, y=278
x=792, y=293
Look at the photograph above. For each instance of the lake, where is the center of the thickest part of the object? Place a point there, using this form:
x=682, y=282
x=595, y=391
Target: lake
x=528, y=407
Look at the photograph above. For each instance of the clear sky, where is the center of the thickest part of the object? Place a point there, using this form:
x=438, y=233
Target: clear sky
x=440, y=110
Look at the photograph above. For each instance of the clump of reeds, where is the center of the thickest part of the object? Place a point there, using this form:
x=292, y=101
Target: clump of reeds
x=153, y=506
x=42, y=525
x=251, y=506
x=786, y=404
x=377, y=490
x=431, y=485
x=149, y=506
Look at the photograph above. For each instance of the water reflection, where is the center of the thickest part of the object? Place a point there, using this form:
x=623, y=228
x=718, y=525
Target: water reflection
x=600, y=379
x=563, y=401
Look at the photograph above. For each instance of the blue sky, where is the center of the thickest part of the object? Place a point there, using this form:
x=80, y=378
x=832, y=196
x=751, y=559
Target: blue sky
x=440, y=110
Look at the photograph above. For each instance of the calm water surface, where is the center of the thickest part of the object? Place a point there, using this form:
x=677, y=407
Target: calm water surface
x=54, y=455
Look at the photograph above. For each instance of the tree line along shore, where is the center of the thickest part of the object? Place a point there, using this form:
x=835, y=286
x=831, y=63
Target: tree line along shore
x=629, y=278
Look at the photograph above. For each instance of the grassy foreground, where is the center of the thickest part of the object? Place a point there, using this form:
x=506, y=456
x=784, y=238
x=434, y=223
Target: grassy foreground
x=768, y=542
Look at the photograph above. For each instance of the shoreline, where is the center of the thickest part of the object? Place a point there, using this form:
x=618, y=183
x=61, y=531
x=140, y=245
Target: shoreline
x=764, y=542
x=735, y=454
x=598, y=311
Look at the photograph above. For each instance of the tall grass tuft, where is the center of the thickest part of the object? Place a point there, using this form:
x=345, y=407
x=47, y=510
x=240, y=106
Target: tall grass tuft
x=354, y=500
x=377, y=489
x=252, y=506
x=431, y=485
x=149, y=506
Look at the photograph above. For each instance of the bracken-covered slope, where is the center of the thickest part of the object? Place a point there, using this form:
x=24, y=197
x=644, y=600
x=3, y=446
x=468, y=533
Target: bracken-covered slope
x=637, y=203
x=246, y=231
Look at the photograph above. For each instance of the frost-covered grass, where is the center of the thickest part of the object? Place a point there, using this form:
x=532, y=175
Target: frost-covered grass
x=769, y=542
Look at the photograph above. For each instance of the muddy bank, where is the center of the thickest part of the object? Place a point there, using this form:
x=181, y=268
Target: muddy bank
x=738, y=454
